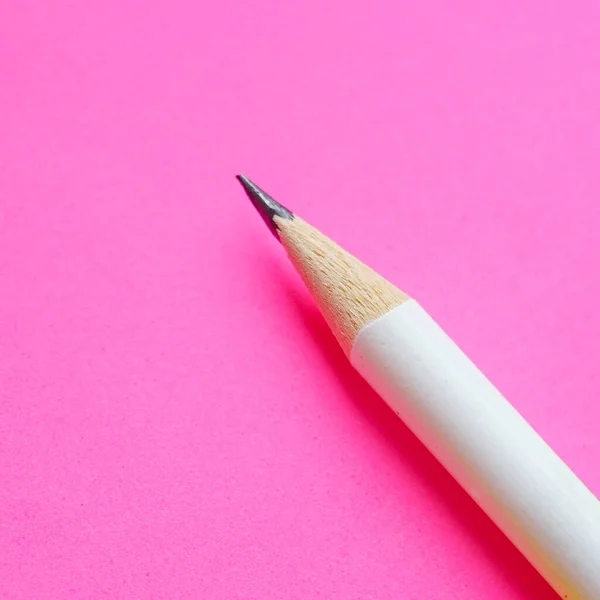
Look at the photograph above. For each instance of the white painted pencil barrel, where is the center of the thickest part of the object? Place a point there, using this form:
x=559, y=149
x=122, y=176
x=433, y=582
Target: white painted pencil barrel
x=516, y=478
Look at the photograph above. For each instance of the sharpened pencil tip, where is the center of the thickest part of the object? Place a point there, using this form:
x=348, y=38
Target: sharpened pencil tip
x=265, y=205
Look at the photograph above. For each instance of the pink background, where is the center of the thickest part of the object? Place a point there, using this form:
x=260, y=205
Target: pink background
x=175, y=419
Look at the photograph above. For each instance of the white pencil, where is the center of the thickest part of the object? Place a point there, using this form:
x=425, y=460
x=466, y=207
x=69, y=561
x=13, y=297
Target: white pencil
x=506, y=467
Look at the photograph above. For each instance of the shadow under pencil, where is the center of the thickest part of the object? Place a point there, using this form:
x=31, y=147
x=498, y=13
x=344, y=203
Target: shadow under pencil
x=519, y=573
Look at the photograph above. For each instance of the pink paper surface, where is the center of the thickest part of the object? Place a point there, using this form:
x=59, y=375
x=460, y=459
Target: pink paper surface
x=175, y=419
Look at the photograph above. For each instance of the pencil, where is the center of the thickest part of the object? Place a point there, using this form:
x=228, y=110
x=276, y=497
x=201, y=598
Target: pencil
x=486, y=445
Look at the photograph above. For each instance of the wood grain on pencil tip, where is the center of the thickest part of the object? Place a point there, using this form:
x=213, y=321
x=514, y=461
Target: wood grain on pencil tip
x=349, y=294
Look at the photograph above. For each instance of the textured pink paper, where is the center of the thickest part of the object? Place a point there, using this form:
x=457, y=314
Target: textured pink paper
x=175, y=419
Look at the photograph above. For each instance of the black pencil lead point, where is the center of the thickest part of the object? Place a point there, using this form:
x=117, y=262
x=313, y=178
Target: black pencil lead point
x=265, y=205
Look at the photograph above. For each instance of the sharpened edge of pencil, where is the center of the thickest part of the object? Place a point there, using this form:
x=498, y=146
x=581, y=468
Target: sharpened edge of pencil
x=267, y=207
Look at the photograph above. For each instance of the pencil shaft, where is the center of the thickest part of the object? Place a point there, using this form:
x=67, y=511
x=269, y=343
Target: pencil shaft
x=497, y=457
